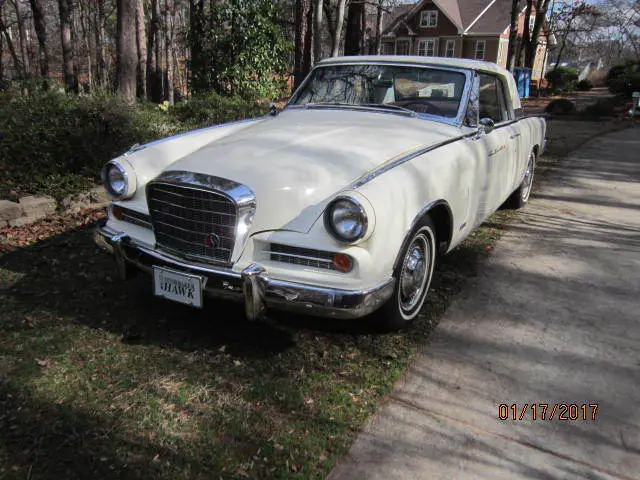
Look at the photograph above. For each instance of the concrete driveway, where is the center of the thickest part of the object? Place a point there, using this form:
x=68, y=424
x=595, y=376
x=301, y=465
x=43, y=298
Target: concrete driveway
x=553, y=318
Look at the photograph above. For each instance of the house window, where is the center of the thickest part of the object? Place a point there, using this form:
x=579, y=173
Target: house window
x=429, y=19
x=402, y=47
x=479, y=55
x=450, y=49
x=387, y=49
x=427, y=47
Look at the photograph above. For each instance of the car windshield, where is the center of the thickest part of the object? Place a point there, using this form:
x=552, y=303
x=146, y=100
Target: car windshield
x=395, y=88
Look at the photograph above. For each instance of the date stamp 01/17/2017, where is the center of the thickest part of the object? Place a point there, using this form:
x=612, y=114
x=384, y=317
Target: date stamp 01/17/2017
x=548, y=411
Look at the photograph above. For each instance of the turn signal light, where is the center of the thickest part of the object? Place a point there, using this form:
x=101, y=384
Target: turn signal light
x=117, y=211
x=342, y=262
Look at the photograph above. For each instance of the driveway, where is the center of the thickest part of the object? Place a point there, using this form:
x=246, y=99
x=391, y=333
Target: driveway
x=553, y=318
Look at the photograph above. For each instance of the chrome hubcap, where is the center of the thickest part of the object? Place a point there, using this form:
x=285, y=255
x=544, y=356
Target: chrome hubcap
x=528, y=179
x=414, y=272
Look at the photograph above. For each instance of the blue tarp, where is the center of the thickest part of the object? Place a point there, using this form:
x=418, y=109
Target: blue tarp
x=523, y=80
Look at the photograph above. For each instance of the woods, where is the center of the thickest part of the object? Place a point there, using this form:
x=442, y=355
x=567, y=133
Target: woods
x=164, y=50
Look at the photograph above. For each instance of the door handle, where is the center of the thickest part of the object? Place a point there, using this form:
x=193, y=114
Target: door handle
x=515, y=135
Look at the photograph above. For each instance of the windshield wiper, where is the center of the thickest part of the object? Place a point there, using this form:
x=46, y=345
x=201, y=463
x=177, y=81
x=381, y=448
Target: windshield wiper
x=395, y=107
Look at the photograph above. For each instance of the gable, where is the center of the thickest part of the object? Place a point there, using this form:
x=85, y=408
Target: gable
x=448, y=17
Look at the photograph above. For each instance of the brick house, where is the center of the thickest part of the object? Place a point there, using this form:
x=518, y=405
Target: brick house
x=477, y=29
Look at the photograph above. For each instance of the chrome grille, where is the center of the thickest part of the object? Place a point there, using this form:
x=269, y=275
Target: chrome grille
x=192, y=222
x=301, y=256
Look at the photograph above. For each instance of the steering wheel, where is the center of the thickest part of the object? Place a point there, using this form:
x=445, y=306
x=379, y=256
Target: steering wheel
x=421, y=107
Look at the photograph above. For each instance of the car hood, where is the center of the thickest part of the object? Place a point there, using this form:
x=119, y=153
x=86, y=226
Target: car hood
x=297, y=161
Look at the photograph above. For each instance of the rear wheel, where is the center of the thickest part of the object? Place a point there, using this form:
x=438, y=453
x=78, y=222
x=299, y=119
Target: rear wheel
x=413, y=278
x=520, y=196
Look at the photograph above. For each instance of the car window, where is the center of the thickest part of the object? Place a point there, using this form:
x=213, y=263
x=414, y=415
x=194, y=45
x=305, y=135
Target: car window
x=492, y=101
x=426, y=90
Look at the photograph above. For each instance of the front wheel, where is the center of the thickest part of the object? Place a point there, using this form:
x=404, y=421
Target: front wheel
x=413, y=278
x=520, y=196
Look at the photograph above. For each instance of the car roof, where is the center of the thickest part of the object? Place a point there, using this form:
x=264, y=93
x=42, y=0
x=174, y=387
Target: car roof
x=464, y=63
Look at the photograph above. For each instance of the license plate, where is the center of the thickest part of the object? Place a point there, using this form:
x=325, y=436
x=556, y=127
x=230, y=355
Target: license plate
x=177, y=286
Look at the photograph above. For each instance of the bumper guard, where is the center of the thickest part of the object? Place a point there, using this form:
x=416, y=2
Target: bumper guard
x=252, y=286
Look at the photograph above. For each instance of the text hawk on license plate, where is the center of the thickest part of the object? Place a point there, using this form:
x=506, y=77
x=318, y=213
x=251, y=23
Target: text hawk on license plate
x=178, y=286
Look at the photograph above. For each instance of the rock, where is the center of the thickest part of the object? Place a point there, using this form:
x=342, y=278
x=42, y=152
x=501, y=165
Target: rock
x=9, y=211
x=37, y=207
x=96, y=197
x=21, y=222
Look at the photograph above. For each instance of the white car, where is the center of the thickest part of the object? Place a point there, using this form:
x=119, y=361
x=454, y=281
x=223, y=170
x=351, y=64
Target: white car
x=339, y=205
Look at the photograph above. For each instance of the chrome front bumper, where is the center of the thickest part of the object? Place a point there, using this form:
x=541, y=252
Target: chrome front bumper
x=252, y=286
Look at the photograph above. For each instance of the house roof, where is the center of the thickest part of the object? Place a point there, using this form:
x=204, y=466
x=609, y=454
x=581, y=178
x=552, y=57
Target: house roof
x=469, y=16
x=495, y=19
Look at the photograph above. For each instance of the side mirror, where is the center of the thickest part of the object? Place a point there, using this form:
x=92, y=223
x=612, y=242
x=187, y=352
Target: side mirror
x=273, y=110
x=486, y=125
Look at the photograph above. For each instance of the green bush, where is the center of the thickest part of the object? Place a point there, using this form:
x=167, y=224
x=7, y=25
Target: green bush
x=561, y=106
x=624, y=79
x=562, y=78
x=48, y=137
x=602, y=108
x=584, y=85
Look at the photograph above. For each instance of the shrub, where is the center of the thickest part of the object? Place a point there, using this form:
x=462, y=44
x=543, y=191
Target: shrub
x=560, y=106
x=602, y=108
x=48, y=137
x=211, y=108
x=562, y=78
x=584, y=85
x=624, y=79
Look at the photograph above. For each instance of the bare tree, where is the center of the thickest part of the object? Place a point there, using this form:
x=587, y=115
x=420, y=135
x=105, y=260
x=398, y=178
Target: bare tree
x=531, y=44
x=126, y=52
x=513, y=34
x=40, y=25
x=303, y=54
x=66, y=39
x=623, y=17
x=317, y=29
x=355, y=33
x=337, y=29
x=141, y=49
x=168, y=32
x=379, y=19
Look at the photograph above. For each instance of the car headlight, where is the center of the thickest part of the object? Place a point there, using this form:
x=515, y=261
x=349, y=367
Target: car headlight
x=346, y=219
x=119, y=179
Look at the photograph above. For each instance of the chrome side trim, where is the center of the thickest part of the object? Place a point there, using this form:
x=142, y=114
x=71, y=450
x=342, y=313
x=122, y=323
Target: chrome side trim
x=367, y=177
x=293, y=255
x=253, y=286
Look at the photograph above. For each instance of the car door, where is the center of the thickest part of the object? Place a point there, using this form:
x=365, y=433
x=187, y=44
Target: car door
x=494, y=149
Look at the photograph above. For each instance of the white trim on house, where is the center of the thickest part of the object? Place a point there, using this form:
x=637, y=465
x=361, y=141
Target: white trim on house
x=431, y=15
x=479, y=16
x=451, y=42
x=484, y=49
x=402, y=39
x=427, y=41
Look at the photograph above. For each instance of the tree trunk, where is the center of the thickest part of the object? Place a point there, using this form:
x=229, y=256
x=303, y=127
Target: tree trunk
x=526, y=34
x=198, y=77
x=379, y=27
x=17, y=65
x=141, y=48
x=317, y=30
x=159, y=56
x=152, y=90
x=126, y=53
x=70, y=79
x=532, y=46
x=354, y=37
x=168, y=36
x=303, y=56
x=40, y=25
x=513, y=34
x=101, y=64
x=337, y=32
x=22, y=40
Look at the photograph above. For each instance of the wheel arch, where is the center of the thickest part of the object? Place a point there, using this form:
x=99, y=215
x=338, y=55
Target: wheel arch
x=440, y=214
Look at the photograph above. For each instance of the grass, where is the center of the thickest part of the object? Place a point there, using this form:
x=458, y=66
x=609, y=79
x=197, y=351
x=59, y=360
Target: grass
x=100, y=379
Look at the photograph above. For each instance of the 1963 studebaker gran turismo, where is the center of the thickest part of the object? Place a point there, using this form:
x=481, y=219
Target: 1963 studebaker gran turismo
x=339, y=205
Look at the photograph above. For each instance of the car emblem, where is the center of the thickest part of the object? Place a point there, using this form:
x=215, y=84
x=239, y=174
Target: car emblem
x=212, y=240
